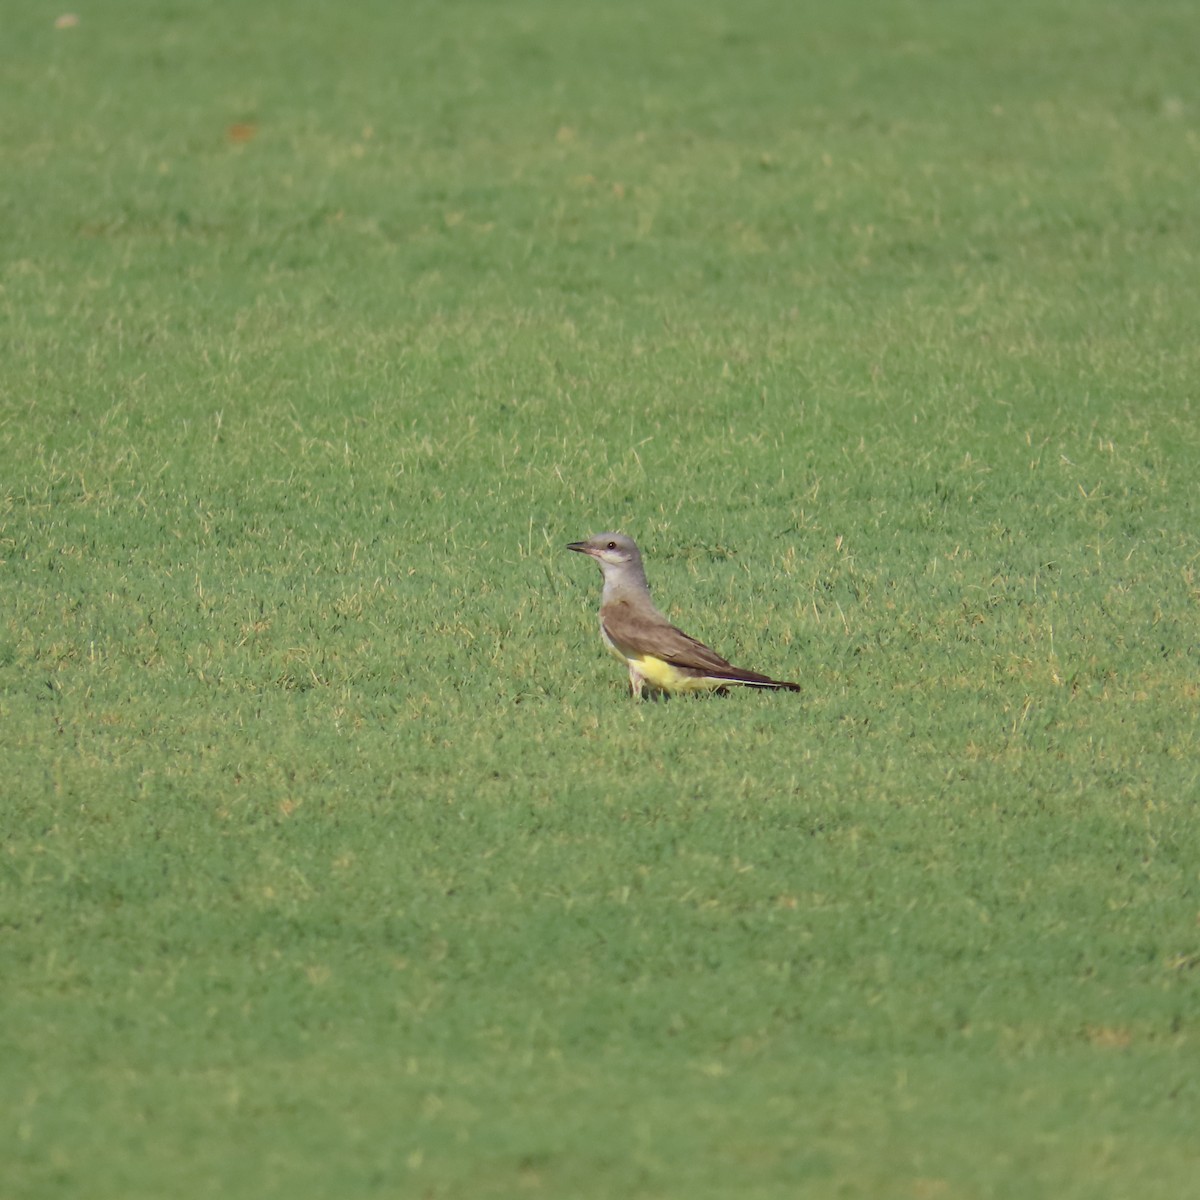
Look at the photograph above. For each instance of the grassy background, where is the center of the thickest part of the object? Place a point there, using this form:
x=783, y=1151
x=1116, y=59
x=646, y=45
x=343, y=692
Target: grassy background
x=336, y=860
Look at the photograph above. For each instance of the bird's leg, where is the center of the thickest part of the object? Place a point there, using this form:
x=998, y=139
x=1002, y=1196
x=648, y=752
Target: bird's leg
x=636, y=682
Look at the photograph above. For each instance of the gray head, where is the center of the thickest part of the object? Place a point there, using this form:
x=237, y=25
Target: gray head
x=609, y=549
x=617, y=556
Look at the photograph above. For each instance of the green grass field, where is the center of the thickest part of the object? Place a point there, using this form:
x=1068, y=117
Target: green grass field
x=336, y=859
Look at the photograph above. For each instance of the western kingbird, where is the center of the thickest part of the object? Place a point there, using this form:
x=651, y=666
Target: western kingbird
x=658, y=655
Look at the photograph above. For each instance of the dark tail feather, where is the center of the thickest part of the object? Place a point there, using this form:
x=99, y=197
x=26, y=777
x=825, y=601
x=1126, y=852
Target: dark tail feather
x=754, y=679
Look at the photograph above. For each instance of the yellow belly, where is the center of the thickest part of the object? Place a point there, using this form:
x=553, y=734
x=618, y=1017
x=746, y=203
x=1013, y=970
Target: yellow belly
x=663, y=675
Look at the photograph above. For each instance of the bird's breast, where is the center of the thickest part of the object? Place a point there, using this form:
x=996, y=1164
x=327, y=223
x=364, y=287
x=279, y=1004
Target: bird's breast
x=612, y=646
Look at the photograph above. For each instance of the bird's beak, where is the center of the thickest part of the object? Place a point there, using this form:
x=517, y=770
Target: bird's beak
x=581, y=547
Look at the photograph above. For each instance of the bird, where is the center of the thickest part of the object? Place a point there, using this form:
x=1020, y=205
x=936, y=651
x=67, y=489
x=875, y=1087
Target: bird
x=661, y=658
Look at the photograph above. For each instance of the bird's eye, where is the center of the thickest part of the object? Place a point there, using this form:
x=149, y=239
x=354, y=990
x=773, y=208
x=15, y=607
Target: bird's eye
x=612, y=545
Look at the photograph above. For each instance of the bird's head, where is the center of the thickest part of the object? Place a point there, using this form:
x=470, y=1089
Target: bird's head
x=609, y=549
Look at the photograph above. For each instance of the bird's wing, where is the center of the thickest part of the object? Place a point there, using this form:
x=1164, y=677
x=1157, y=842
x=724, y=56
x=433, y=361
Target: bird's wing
x=636, y=633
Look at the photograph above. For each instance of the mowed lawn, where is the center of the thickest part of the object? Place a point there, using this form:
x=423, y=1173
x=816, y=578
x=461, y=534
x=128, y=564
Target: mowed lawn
x=336, y=859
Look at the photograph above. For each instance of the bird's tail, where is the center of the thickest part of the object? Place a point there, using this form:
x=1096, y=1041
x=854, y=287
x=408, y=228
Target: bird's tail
x=754, y=679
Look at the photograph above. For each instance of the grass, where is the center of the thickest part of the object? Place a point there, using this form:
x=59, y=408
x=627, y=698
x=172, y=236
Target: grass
x=336, y=859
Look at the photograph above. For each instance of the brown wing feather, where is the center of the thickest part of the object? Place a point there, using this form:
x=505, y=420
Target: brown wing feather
x=651, y=633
